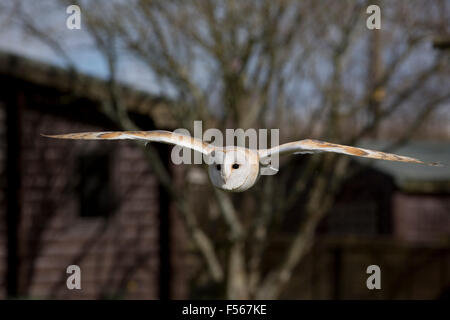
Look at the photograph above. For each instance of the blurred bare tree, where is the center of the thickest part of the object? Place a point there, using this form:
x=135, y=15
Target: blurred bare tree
x=309, y=67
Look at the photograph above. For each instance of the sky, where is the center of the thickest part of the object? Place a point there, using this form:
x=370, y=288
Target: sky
x=77, y=44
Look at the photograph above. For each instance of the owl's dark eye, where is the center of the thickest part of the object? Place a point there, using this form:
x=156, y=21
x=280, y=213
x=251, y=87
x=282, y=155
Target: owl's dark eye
x=218, y=167
x=235, y=166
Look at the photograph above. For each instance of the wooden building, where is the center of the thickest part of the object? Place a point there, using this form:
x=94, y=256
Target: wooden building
x=393, y=215
x=100, y=206
x=408, y=201
x=95, y=205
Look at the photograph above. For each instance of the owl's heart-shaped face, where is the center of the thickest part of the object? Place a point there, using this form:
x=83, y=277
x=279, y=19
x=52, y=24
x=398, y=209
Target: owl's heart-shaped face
x=234, y=169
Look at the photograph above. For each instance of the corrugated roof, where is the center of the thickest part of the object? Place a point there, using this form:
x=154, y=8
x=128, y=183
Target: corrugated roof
x=415, y=177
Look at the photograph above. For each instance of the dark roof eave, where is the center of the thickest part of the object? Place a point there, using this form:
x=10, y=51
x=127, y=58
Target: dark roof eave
x=421, y=186
x=86, y=86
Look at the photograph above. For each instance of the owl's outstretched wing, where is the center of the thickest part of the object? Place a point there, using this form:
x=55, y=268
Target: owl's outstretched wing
x=152, y=136
x=314, y=146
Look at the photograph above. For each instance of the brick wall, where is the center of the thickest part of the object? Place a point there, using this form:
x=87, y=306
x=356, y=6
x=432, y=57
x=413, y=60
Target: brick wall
x=118, y=255
x=420, y=217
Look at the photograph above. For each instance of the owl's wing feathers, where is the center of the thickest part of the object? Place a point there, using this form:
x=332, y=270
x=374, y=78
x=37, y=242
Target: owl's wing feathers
x=313, y=146
x=151, y=136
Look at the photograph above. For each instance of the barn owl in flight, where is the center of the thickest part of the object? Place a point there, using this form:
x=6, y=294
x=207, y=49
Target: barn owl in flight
x=236, y=169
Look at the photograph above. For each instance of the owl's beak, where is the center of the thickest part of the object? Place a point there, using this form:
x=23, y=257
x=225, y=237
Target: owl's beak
x=225, y=174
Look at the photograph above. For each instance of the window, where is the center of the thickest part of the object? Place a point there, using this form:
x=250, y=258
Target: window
x=94, y=189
